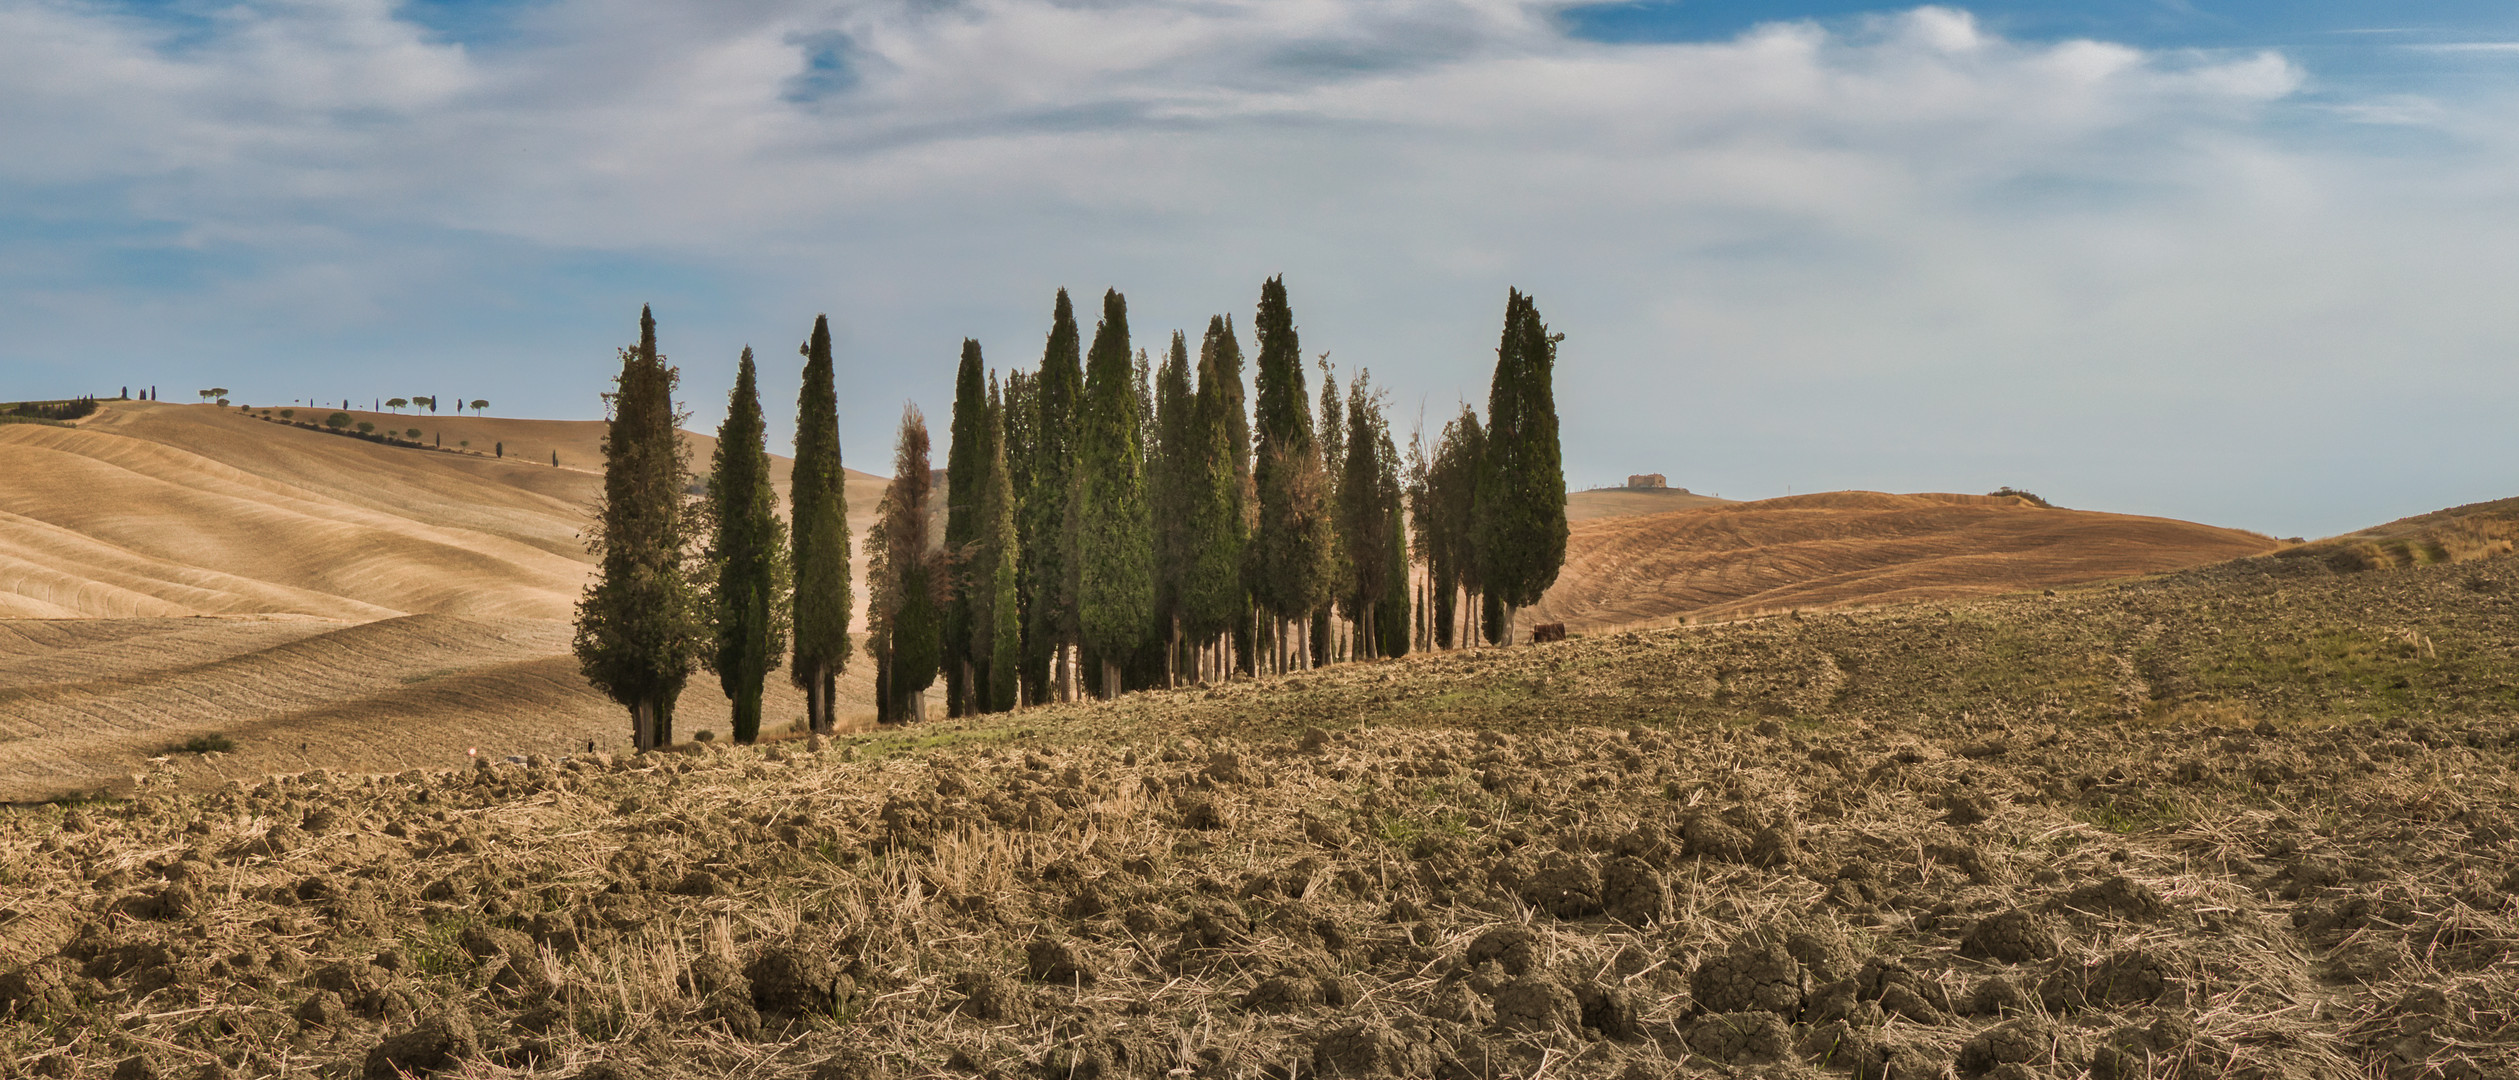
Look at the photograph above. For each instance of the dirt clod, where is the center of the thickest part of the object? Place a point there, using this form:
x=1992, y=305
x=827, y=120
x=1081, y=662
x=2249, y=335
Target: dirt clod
x=2023, y=1040
x=2012, y=937
x=442, y=1041
x=1369, y=1050
x=1752, y=975
x=793, y=981
x=1742, y=1038
x=1535, y=1002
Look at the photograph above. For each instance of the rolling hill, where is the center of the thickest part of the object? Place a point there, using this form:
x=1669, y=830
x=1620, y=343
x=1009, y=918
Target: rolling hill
x=174, y=570
x=1855, y=548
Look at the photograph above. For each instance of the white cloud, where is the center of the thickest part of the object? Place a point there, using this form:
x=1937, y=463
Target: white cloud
x=1908, y=253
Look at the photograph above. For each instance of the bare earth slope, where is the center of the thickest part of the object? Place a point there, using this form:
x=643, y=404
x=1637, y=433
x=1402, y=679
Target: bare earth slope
x=174, y=570
x=1856, y=547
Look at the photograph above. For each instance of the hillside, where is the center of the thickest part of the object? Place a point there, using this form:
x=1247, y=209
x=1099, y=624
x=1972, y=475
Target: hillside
x=1855, y=548
x=173, y=570
x=1582, y=506
x=2252, y=820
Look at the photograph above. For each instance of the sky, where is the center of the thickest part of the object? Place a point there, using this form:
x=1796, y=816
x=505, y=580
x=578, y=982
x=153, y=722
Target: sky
x=2247, y=263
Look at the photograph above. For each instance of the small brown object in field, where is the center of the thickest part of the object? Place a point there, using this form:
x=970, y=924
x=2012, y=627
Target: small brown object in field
x=1370, y=1049
x=1543, y=633
x=2011, y=937
x=2018, y=1041
x=1052, y=960
x=1752, y=975
x=442, y=1041
x=1742, y=1038
x=1536, y=1002
x=793, y=981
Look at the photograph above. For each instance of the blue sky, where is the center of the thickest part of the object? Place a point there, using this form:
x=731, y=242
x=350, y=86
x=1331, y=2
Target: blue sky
x=2246, y=263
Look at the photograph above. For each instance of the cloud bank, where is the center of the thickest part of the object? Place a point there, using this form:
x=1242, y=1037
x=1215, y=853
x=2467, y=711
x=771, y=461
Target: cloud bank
x=1899, y=252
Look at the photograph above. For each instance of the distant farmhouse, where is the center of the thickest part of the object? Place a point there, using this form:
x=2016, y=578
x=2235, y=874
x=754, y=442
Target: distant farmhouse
x=1648, y=480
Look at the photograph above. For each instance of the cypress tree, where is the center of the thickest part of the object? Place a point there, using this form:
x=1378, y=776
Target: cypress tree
x=1393, y=611
x=964, y=460
x=638, y=633
x=1170, y=466
x=1214, y=475
x=1442, y=521
x=1220, y=357
x=999, y=621
x=1058, y=394
x=749, y=608
x=908, y=616
x=818, y=537
x=1364, y=516
x=1114, y=553
x=1333, y=435
x=1521, y=501
x=1286, y=571
x=1020, y=426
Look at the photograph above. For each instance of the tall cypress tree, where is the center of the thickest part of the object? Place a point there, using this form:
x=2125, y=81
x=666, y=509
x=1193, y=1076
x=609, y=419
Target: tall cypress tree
x=964, y=461
x=999, y=621
x=818, y=536
x=1020, y=424
x=1220, y=357
x=638, y=630
x=1521, y=503
x=1058, y=394
x=1442, y=521
x=1170, y=464
x=1286, y=571
x=1333, y=436
x=1364, y=517
x=1214, y=475
x=1114, y=553
x=749, y=609
x=1392, y=612
x=907, y=616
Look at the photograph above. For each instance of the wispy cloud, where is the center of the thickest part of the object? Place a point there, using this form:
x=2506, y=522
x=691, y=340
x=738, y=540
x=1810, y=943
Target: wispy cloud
x=1900, y=252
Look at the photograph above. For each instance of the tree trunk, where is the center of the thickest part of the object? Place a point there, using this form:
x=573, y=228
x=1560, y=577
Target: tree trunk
x=642, y=728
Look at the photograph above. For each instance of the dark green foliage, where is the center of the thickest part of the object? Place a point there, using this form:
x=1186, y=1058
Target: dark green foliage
x=337, y=421
x=749, y=609
x=1289, y=543
x=638, y=633
x=1048, y=542
x=905, y=613
x=1215, y=475
x=1220, y=360
x=1393, y=612
x=964, y=460
x=1441, y=519
x=818, y=536
x=72, y=409
x=1368, y=491
x=1020, y=424
x=1170, y=464
x=1114, y=553
x=1520, y=525
x=1491, y=617
x=999, y=620
x=1337, y=568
